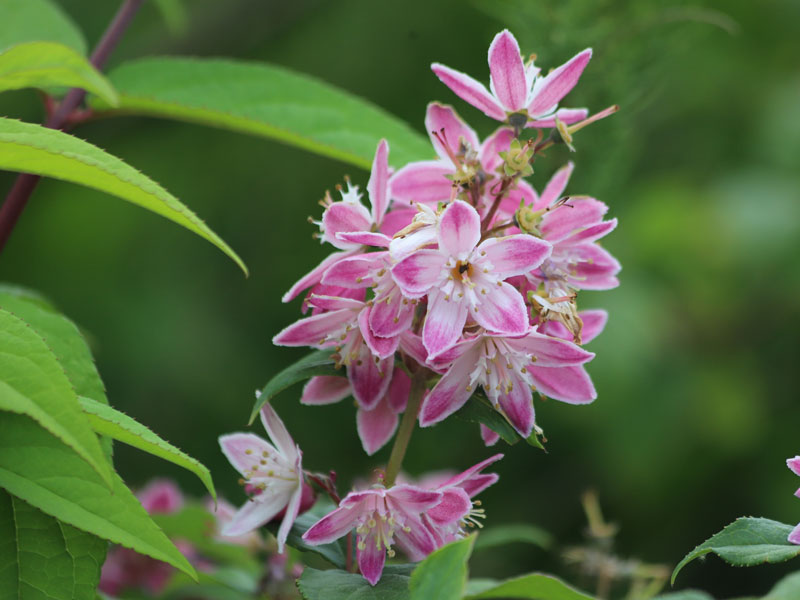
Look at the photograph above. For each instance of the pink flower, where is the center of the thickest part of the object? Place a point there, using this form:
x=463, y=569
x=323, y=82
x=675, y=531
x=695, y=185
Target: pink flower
x=794, y=465
x=466, y=278
x=273, y=473
x=516, y=88
x=380, y=517
x=507, y=368
x=224, y=512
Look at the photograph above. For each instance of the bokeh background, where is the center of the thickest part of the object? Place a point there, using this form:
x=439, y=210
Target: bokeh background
x=697, y=369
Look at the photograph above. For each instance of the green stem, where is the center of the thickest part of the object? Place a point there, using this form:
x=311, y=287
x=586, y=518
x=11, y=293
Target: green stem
x=406, y=427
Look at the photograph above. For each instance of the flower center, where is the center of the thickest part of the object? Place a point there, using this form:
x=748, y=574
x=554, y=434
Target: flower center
x=462, y=271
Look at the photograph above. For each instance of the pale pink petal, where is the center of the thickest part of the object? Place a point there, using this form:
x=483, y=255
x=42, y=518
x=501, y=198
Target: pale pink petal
x=342, y=217
x=314, y=276
x=498, y=142
x=442, y=361
x=568, y=384
x=277, y=432
x=292, y=510
x=477, y=483
x=508, y=81
x=590, y=234
x=254, y=514
x=454, y=506
x=376, y=426
x=418, y=272
x=333, y=525
x=596, y=269
x=425, y=182
x=378, y=184
x=391, y=314
x=331, y=291
x=372, y=558
x=370, y=379
x=412, y=345
x=792, y=463
x=550, y=351
x=465, y=476
x=451, y=392
x=405, y=245
x=365, y=238
x=381, y=347
x=354, y=271
x=417, y=542
x=335, y=302
x=555, y=187
x=442, y=122
x=397, y=396
x=470, y=90
x=162, y=496
x=575, y=214
x=443, y=324
x=244, y=450
x=557, y=84
x=568, y=116
x=459, y=229
x=517, y=404
x=513, y=254
x=312, y=330
x=412, y=499
x=489, y=437
x=594, y=321
x=325, y=389
x=794, y=536
x=502, y=310
x=396, y=219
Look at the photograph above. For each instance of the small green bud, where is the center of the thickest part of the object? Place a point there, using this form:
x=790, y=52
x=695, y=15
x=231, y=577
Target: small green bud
x=516, y=160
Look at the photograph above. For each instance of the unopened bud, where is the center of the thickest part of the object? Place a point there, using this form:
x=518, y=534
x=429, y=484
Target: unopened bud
x=517, y=159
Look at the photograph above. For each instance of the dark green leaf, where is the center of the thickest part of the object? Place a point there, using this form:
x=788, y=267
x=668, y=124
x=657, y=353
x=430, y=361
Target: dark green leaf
x=267, y=101
x=316, y=363
x=532, y=587
x=341, y=585
x=443, y=573
x=31, y=20
x=478, y=409
x=684, y=595
x=746, y=542
x=508, y=534
x=787, y=588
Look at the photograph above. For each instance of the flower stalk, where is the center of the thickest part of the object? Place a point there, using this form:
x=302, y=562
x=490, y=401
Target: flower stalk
x=406, y=428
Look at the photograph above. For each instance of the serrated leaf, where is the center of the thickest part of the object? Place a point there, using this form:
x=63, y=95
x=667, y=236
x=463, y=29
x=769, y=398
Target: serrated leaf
x=443, y=573
x=532, y=587
x=478, y=409
x=119, y=426
x=499, y=535
x=33, y=383
x=41, y=470
x=31, y=20
x=746, y=542
x=30, y=148
x=48, y=64
x=41, y=557
x=341, y=585
x=334, y=552
x=267, y=101
x=316, y=363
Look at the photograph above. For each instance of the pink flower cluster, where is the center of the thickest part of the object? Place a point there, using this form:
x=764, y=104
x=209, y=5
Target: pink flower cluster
x=794, y=466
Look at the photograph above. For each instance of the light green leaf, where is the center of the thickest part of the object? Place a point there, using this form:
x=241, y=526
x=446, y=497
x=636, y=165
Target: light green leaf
x=746, y=542
x=267, y=101
x=508, y=534
x=43, y=558
x=479, y=410
x=119, y=426
x=787, y=588
x=32, y=20
x=532, y=587
x=33, y=383
x=443, y=573
x=316, y=363
x=47, y=64
x=341, y=585
x=38, y=468
x=35, y=149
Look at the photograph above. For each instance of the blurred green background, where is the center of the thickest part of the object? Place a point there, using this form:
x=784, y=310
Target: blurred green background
x=697, y=369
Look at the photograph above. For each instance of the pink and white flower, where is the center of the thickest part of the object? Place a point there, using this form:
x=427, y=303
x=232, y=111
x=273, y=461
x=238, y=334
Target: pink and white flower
x=517, y=88
x=380, y=517
x=273, y=473
x=463, y=277
x=794, y=466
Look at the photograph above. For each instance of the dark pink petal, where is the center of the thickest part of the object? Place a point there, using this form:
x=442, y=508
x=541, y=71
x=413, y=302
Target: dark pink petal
x=412, y=345
x=343, y=217
x=568, y=116
x=244, y=450
x=336, y=303
x=459, y=229
x=372, y=558
x=370, y=379
x=454, y=506
x=462, y=478
x=596, y=269
x=594, y=321
x=550, y=351
x=502, y=310
x=331, y=291
x=477, y=483
x=254, y=514
x=513, y=254
x=442, y=122
x=314, y=276
x=568, y=384
x=411, y=499
x=425, y=182
x=354, y=499
x=417, y=542
x=470, y=90
x=575, y=214
x=418, y=272
x=443, y=324
x=391, y=313
x=498, y=142
x=451, y=392
x=794, y=536
x=555, y=187
x=792, y=463
x=517, y=404
x=590, y=234
x=376, y=426
x=325, y=389
x=507, y=71
x=378, y=184
x=399, y=390
x=380, y=346
x=333, y=525
x=549, y=91
x=489, y=437
x=365, y=238
x=397, y=219
x=312, y=330
x=443, y=360
x=277, y=432
x=162, y=495
x=354, y=271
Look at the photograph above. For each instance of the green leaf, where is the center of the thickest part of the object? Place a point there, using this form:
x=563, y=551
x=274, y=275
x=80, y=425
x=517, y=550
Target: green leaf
x=119, y=426
x=478, y=409
x=31, y=20
x=38, y=468
x=341, y=585
x=508, y=534
x=33, y=383
x=43, y=558
x=532, y=587
x=30, y=148
x=787, y=588
x=685, y=595
x=316, y=363
x=333, y=552
x=443, y=573
x=746, y=542
x=47, y=64
x=267, y=101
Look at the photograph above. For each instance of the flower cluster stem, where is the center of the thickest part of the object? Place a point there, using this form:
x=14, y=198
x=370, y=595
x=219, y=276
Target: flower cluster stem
x=406, y=427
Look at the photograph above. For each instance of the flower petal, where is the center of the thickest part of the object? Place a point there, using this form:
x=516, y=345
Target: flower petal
x=568, y=384
x=382, y=347
x=454, y=506
x=162, y=496
x=412, y=499
x=594, y=321
x=513, y=254
x=794, y=536
x=376, y=426
x=400, y=388
x=498, y=142
x=343, y=217
x=396, y=219
x=556, y=186
x=502, y=310
x=278, y=433
x=244, y=450
x=590, y=234
x=371, y=558
x=549, y=91
x=451, y=392
x=330, y=303
x=314, y=276
x=333, y=525
x=354, y=271
x=507, y=72
x=459, y=229
x=576, y=214
x=442, y=122
x=391, y=314
x=425, y=182
x=417, y=542
x=325, y=389
x=596, y=268
x=444, y=323
x=255, y=513
x=489, y=437
x=292, y=510
x=418, y=272
x=470, y=91
x=378, y=184
x=517, y=404
x=568, y=116
x=312, y=330
x=412, y=345
x=550, y=351
x=794, y=464
x=370, y=379
x=365, y=238
x=465, y=477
